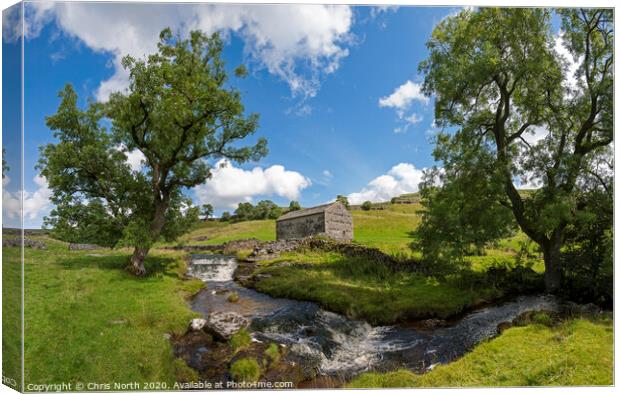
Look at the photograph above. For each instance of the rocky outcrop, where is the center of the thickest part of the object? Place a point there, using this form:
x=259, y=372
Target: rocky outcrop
x=28, y=243
x=223, y=325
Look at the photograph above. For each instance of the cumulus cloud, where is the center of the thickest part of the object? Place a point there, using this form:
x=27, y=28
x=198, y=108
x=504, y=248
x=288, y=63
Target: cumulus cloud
x=402, y=98
x=402, y=178
x=36, y=204
x=298, y=43
x=230, y=185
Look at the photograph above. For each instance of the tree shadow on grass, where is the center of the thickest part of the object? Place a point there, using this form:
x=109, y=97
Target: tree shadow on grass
x=155, y=265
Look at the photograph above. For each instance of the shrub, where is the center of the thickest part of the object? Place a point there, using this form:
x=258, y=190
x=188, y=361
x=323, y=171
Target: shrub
x=272, y=354
x=240, y=340
x=233, y=297
x=542, y=318
x=245, y=370
x=366, y=206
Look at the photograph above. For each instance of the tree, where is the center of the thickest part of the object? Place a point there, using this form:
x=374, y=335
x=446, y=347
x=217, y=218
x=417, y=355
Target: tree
x=343, y=200
x=245, y=211
x=225, y=216
x=294, y=206
x=497, y=79
x=267, y=209
x=366, y=206
x=179, y=112
x=207, y=211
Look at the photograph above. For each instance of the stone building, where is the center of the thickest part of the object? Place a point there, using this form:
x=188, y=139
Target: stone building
x=332, y=220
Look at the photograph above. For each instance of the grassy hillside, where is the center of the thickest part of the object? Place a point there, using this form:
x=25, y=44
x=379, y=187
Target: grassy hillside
x=389, y=229
x=576, y=352
x=88, y=320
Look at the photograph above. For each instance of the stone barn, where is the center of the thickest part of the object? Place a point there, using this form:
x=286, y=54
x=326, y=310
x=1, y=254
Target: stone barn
x=332, y=220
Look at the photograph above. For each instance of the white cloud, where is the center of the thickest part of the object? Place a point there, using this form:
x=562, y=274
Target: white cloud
x=135, y=158
x=230, y=185
x=409, y=121
x=298, y=43
x=402, y=98
x=36, y=204
x=327, y=174
x=402, y=178
x=534, y=134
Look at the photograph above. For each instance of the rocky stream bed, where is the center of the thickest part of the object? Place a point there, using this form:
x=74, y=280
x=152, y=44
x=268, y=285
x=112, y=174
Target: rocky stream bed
x=320, y=348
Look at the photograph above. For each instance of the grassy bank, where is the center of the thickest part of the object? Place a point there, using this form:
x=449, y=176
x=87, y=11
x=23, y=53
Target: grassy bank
x=364, y=289
x=88, y=320
x=577, y=352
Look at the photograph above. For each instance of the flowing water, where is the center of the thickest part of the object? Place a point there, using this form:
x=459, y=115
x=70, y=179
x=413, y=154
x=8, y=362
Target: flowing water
x=337, y=346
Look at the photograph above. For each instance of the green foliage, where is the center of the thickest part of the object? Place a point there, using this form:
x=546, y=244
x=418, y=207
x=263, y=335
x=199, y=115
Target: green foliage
x=587, y=260
x=294, y=206
x=496, y=77
x=206, y=210
x=240, y=340
x=463, y=216
x=343, y=200
x=272, y=354
x=366, y=206
x=226, y=216
x=577, y=352
x=245, y=370
x=179, y=112
x=265, y=209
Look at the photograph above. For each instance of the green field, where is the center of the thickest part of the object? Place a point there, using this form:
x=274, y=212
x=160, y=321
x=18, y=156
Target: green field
x=577, y=352
x=88, y=320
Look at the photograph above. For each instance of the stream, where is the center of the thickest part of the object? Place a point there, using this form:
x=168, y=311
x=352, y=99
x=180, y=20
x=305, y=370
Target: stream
x=337, y=346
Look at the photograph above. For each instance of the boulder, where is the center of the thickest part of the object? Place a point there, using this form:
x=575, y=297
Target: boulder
x=197, y=324
x=223, y=325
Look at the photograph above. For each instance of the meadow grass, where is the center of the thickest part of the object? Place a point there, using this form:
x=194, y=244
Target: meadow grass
x=11, y=316
x=576, y=352
x=215, y=232
x=88, y=320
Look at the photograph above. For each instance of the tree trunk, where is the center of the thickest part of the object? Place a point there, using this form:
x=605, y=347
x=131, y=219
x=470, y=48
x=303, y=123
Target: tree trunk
x=137, y=261
x=136, y=265
x=553, y=269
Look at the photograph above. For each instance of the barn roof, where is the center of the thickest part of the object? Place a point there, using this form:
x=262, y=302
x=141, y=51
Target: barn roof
x=306, y=212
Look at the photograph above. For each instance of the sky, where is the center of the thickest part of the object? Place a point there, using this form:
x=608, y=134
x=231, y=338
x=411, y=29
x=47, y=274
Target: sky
x=336, y=87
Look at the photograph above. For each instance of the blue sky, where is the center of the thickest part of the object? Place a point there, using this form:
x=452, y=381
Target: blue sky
x=337, y=91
